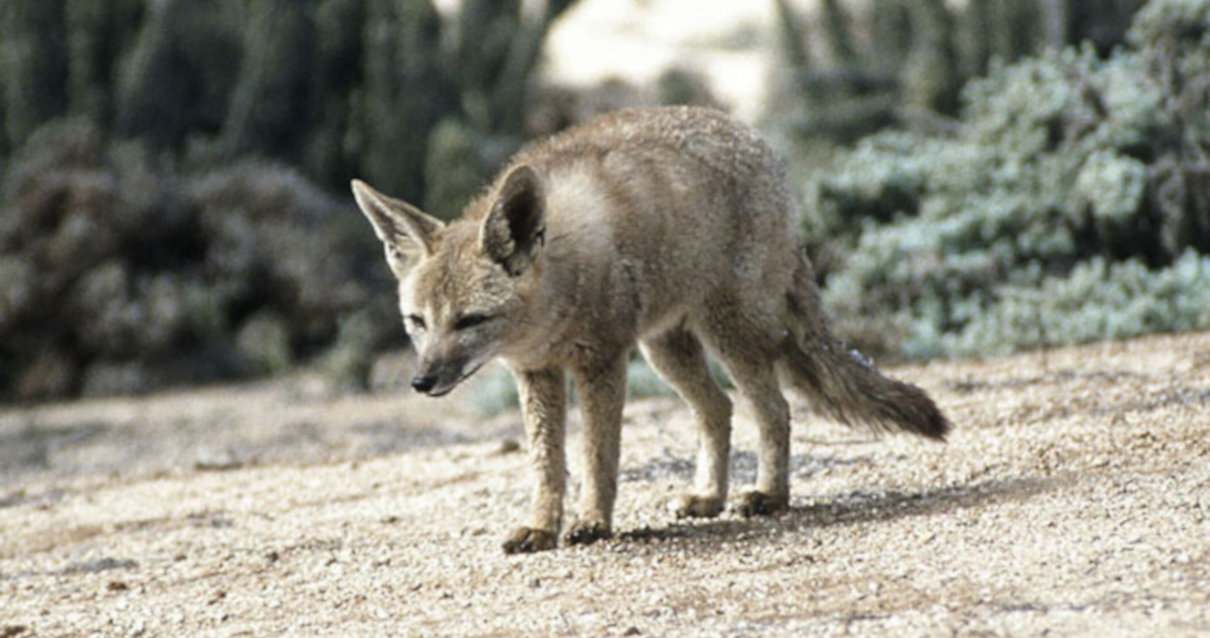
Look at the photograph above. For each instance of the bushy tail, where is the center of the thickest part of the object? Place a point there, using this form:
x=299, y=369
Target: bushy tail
x=840, y=382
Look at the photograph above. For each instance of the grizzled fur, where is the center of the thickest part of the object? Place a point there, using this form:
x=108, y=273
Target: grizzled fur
x=669, y=228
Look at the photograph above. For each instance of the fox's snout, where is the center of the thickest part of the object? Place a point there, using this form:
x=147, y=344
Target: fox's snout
x=423, y=383
x=438, y=377
x=436, y=380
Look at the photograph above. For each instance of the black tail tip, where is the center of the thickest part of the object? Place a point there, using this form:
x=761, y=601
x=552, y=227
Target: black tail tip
x=930, y=422
x=920, y=415
x=936, y=427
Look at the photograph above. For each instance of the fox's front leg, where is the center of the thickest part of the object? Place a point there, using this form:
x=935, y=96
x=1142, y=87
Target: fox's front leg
x=601, y=388
x=543, y=396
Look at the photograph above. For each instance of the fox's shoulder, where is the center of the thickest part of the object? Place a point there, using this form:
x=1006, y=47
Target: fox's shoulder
x=707, y=136
x=698, y=136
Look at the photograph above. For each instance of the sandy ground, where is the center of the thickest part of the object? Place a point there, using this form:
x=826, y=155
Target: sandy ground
x=1073, y=499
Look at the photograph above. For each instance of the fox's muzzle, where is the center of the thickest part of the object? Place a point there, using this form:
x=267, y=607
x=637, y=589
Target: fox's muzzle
x=438, y=378
x=423, y=383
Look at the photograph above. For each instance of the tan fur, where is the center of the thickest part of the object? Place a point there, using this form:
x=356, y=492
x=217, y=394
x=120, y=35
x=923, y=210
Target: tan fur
x=672, y=228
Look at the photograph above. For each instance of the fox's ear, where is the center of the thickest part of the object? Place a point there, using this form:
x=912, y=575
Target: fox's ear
x=406, y=231
x=515, y=227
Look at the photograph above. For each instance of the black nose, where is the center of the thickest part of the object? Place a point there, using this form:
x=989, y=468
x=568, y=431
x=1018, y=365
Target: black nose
x=423, y=384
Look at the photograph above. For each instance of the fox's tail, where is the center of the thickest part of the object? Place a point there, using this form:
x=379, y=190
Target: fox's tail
x=840, y=382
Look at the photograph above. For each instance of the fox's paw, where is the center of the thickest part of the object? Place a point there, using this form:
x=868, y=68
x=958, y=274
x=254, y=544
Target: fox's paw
x=527, y=540
x=694, y=506
x=758, y=503
x=585, y=532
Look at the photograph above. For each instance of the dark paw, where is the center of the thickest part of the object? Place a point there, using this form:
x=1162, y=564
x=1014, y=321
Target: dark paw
x=756, y=503
x=587, y=532
x=693, y=506
x=526, y=540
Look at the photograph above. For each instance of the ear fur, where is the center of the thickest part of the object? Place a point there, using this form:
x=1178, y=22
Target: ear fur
x=406, y=232
x=515, y=227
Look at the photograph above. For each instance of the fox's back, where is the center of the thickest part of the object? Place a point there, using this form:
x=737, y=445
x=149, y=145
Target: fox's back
x=710, y=138
x=670, y=206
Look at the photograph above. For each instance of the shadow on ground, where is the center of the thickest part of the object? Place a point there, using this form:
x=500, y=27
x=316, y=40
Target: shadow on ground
x=855, y=508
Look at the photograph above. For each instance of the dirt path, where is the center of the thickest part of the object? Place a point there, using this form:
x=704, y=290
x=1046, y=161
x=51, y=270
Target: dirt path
x=1074, y=498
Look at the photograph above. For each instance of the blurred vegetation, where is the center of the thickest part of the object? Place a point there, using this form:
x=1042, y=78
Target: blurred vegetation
x=861, y=67
x=165, y=217
x=1070, y=202
x=337, y=88
x=1037, y=171
x=121, y=277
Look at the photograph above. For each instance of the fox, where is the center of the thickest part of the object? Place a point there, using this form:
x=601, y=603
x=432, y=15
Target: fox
x=670, y=228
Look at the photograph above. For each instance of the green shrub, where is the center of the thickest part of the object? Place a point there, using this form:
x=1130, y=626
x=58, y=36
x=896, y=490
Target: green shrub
x=860, y=67
x=125, y=277
x=1072, y=204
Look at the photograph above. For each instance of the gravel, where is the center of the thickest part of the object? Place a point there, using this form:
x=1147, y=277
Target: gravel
x=1072, y=499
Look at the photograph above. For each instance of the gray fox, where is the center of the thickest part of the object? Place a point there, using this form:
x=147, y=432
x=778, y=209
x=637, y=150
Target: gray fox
x=670, y=228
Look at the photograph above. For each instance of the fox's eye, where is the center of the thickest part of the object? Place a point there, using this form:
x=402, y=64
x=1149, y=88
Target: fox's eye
x=470, y=321
x=417, y=321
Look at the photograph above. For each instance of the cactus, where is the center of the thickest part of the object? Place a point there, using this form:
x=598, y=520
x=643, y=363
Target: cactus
x=1102, y=22
x=839, y=31
x=1020, y=31
x=933, y=76
x=792, y=39
x=98, y=32
x=176, y=79
x=977, y=34
x=272, y=96
x=454, y=169
x=328, y=154
x=911, y=68
x=892, y=27
x=340, y=87
x=511, y=90
x=403, y=94
x=33, y=65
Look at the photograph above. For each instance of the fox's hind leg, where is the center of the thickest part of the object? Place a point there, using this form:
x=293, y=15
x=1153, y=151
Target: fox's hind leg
x=742, y=338
x=678, y=357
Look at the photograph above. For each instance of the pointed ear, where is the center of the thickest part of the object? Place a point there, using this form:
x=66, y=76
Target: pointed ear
x=515, y=227
x=406, y=232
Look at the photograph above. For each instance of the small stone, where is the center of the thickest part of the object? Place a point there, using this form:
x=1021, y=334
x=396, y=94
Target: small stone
x=508, y=446
x=216, y=461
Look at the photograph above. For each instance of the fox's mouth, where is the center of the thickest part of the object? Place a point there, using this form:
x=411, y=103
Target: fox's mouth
x=442, y=390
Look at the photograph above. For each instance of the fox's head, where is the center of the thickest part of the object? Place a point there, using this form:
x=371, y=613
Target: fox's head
x=464, y=287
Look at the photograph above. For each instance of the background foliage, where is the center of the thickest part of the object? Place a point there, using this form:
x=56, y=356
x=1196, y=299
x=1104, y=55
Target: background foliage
x=165, y=216
x=1070, y=202
x=336, y=88
x=862, y=67
x=978, y=177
